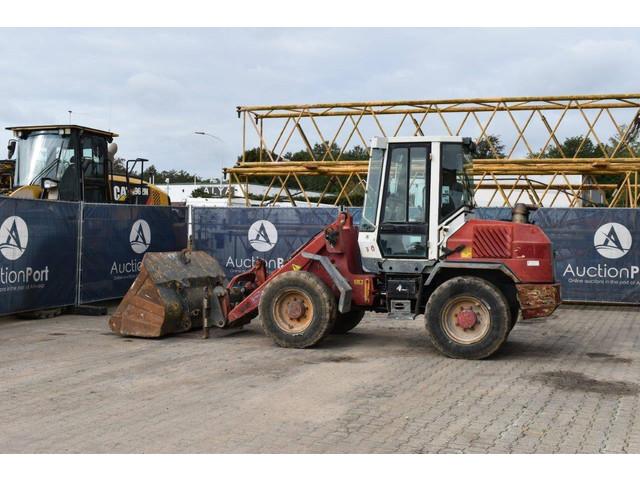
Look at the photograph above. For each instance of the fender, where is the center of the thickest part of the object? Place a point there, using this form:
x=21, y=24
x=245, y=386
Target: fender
x=344, y=303
x=471, y=266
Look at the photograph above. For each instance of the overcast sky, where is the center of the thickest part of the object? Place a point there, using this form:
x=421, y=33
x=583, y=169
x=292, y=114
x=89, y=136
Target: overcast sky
x=155, y=87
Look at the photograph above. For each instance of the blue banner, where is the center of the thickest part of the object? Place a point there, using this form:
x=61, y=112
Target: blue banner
x=38, y=254
x=597, y=250
x=238, y=236
x=116, y=237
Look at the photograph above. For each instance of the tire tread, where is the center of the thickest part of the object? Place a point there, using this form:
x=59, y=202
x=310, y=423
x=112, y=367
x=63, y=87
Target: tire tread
x=320, y=294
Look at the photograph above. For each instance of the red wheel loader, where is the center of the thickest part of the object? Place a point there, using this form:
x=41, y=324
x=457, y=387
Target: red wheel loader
x=417, y=251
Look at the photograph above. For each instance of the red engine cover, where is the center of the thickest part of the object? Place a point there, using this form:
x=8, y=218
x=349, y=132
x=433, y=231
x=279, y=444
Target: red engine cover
x=522, y=247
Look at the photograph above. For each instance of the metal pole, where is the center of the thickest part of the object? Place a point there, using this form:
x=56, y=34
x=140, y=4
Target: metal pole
x=190, y=228
x=79, y=245
x=205, y=312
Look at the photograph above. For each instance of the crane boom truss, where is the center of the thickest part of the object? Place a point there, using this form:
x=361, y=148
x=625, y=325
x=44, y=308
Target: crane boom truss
x=531, y=164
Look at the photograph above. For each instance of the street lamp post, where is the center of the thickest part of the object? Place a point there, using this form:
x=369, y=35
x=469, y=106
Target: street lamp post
x=218, y=139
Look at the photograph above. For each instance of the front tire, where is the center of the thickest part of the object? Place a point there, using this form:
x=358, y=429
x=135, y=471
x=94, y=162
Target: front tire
x=297, y=310
x=467, y=317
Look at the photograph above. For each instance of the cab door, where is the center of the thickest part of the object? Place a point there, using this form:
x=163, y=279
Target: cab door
x=403, y=230
x=94, y=169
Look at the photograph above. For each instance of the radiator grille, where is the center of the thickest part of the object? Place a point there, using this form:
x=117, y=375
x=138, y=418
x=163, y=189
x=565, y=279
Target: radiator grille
x=492, y=241
x=155, y=196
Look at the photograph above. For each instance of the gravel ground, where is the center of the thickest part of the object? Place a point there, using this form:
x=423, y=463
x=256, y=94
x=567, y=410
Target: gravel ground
x=567, y=384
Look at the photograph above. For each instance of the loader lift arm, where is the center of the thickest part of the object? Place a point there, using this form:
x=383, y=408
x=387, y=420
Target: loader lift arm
x=166, y=297
x=319, y=257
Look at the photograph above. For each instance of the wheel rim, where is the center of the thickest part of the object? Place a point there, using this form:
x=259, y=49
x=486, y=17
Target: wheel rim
x=466, y=319
x=293, y=311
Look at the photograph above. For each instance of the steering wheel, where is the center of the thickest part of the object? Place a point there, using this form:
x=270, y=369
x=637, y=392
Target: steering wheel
x=417, y=248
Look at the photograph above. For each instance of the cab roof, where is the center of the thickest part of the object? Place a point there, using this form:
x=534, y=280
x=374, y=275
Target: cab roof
x=33, y=128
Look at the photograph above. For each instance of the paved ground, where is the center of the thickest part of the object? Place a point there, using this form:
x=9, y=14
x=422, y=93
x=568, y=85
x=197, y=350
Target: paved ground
x=569, y=384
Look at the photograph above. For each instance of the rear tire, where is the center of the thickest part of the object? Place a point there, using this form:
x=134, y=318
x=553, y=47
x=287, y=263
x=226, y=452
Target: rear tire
x=514, y=310
x=348, y=321
x=511, y=294
x=297, y=309
x=467, y=317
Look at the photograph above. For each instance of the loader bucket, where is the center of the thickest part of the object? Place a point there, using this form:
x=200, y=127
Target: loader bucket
x=170, y=294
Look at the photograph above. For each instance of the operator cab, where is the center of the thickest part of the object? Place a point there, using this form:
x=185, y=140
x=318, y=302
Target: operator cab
x=62, y=162
x=417, y=194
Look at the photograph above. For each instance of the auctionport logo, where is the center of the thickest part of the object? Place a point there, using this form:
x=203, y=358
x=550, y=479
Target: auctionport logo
x=263, y=235
x=14, y=237
x=612, y=240
x=140, y=236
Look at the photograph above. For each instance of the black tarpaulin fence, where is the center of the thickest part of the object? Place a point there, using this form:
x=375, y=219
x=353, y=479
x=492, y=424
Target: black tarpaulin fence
x=597, y=251
x=55, y=254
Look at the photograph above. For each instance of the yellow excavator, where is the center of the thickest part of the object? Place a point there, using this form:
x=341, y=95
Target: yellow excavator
x=72, y=163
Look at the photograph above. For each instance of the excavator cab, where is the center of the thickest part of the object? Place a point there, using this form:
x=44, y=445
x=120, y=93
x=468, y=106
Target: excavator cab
x=73, y=163
x=62, y=162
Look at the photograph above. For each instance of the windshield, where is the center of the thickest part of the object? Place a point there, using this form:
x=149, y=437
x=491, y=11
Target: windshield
x=371, y=197
x=457, y=186
x=42, y=155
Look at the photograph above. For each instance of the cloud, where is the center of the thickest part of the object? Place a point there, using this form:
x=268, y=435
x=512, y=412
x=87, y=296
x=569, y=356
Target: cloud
x=157, y=86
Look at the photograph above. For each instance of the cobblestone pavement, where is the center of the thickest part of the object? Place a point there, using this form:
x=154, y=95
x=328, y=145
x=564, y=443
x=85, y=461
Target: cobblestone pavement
x=567, y=384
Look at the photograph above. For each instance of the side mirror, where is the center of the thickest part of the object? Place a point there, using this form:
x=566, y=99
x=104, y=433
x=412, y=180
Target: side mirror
x=112, y=149
x=11, y=148
x=469, y=145
x=49, y=183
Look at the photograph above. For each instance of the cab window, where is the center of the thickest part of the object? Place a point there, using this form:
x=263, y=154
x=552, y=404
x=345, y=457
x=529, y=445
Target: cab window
x=404, y=225
x=370, y=209
x=94, y=161
x=455, y=190
x=94, y=155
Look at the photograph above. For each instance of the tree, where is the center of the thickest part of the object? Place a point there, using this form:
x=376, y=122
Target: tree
x=253, y=155
x=357, y=153
x=174, y=176
x=578, y=146
x=489, y=147
x=151, y=173
x=630, y=143
x=583, y=147
x=119, y=166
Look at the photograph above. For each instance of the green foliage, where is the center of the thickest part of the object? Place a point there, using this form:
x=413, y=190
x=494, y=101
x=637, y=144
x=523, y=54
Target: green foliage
x=583, y=147
x=174, y=176
x=119, y=166
x=253, y=155
x=320, y=152
x=578, y=147
x=489, y=147
x=625, y=149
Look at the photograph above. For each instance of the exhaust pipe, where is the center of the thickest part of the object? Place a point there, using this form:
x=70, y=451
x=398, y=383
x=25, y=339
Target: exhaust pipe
x=520, y=213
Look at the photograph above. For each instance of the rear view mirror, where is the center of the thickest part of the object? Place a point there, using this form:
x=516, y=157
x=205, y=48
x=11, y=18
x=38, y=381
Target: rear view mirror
x=469, y=145
x=112, y=149
x=48, y=184
x=11, y=148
